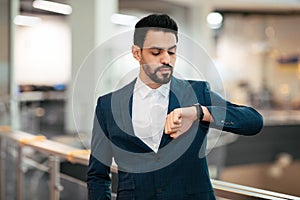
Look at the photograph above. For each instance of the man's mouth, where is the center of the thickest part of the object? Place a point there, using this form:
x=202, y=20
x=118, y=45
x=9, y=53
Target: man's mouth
x=165, y=69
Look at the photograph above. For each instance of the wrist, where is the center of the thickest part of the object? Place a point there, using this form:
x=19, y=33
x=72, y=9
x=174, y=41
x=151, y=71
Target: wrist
x=199, y=112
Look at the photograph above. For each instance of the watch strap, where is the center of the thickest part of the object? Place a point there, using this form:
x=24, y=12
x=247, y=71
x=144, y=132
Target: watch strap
x=200, y=113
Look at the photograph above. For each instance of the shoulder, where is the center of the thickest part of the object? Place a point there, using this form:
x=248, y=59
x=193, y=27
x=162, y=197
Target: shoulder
x=195, y=84
x=182, y=81
x=119, y=93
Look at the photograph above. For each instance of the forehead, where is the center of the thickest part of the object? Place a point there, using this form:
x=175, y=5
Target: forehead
x=159, y=39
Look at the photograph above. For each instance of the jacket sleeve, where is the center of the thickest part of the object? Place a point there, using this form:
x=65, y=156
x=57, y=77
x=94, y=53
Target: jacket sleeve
x=239, y=119
x=98, y=174
x=98, y=180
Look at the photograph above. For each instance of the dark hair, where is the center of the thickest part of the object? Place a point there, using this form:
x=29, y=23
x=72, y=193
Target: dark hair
x=157, y=22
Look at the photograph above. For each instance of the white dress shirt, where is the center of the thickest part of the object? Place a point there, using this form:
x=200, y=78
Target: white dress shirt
x=149, y=111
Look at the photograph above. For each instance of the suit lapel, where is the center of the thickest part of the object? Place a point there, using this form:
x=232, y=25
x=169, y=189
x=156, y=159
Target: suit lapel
x=122, y=108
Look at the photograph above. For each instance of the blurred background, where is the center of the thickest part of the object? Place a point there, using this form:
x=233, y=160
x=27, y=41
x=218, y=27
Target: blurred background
x=49, y=87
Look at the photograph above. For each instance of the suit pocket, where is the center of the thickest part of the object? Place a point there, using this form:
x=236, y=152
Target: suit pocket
x=126, y=190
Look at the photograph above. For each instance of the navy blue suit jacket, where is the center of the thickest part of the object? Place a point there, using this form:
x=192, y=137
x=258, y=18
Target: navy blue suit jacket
x=179, y=169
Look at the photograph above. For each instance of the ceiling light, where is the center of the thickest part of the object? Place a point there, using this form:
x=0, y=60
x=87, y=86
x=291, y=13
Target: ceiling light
x=22, y=20
x=125, y=20
x=214, y=20
x=52, y=6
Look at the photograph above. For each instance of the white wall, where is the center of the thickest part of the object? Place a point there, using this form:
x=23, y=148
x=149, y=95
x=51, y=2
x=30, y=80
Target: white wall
x=43, y=52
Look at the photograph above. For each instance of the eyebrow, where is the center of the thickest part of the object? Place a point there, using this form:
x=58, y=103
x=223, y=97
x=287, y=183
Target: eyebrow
x=160, y=48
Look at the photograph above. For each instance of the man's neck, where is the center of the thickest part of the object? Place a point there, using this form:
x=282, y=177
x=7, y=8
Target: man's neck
x=150, y=83
x=153, y=85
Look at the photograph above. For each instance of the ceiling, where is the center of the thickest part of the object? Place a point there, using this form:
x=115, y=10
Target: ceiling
x=243, y=4
x=261, y=7
x=255, y=6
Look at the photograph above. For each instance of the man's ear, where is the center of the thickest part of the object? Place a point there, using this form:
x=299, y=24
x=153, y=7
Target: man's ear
x=136, y=52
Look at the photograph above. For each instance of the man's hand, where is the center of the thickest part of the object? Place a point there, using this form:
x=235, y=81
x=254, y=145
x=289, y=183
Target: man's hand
x=180, y=120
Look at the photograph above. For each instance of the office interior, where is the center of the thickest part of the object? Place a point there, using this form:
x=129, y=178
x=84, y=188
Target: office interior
x=55, y=63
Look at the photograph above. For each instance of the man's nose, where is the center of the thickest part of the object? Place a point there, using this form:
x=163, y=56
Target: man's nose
x=165, y=58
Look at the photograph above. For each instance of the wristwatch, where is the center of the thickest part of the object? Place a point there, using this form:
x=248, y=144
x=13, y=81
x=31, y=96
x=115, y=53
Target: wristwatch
x=200, y=113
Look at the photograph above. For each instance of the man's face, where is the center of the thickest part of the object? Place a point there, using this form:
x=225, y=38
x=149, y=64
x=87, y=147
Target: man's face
x=157, y=57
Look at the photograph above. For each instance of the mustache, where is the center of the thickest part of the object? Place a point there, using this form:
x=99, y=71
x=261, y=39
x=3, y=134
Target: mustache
x=166, y=66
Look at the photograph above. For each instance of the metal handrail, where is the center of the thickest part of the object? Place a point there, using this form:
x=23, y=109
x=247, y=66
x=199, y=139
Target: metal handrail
x=58, y=152
x=235, y=191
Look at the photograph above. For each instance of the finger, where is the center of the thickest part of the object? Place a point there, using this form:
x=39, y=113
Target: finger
x=176, y=134
x=174, y=127
x=176, y=116
x=167, y=125
x=168, y=129
x=173, y=122
x=171, y=116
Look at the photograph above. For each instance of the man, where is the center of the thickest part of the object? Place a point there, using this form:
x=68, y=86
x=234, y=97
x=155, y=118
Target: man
x=155, y=127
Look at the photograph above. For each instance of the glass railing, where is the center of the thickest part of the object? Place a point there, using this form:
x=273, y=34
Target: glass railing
x=58, y=152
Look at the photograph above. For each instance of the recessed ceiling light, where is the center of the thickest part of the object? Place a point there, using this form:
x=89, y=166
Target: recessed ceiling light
x=214, y=20
x=53, y=7
x=22, y=20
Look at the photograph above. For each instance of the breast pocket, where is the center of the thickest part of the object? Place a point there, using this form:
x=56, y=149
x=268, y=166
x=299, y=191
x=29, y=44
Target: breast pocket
x=126, y=190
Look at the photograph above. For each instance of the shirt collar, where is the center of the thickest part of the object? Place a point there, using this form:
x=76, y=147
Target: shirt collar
x=143, y=90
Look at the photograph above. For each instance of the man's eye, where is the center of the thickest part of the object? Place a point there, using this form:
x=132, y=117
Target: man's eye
x=171, y=53
x=155, y=53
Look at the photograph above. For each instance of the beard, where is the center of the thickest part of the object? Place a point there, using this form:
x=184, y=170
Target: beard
x=155, y=78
